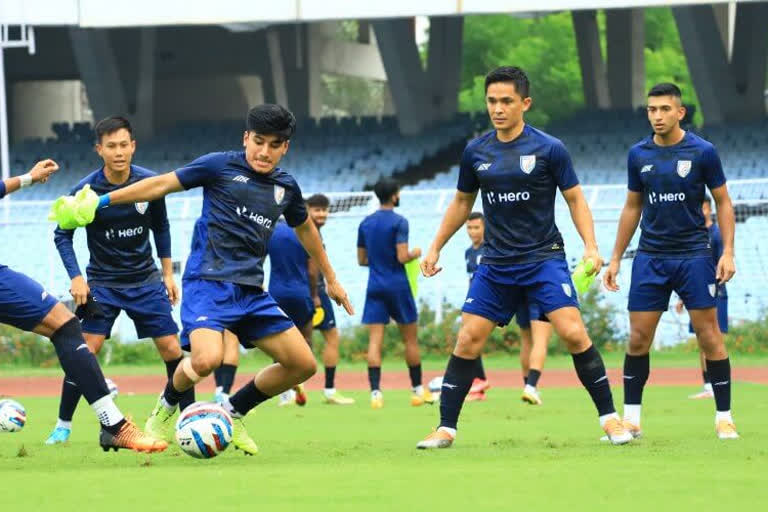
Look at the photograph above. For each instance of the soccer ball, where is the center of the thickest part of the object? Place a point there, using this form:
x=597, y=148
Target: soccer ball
x=204, y=430
x=113, y=391
x=13, y=417
x=436, y=384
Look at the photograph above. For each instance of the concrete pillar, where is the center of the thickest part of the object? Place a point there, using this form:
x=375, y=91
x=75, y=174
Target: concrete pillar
x=406, y=79
x=593, y=78
x=750, y=57
x=144, y=117
x=625, y=34
x=97, y=64
x=295, y=53
x=444, y=66
x=278, y=92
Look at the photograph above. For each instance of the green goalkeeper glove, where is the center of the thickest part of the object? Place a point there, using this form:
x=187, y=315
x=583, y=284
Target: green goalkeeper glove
x=71, y=212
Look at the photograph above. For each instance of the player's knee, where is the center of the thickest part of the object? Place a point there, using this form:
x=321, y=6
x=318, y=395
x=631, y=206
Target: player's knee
x=639, y=340
x=169, y=349
x=469, y=344
x=711, y=341
x=575, y=337
x=204, y=364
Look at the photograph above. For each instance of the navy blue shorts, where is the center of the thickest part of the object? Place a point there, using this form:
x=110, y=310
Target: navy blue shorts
x=722, y=315
x=329, y=320
x=654, y=280
x=299, y=308
x=248, y=311
x=23, y=301
x=382, y=305
x=148, y=306
x=497, y=292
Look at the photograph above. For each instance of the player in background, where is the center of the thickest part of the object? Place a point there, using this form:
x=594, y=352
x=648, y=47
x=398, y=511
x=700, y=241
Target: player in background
x=245, y=192
x=382, y=246
x=224, y=375
x=517, y=169
x=667, y=175
x=318, y=206
x=122, y=275
x=25, y=305
x=292, y=287
x=534, y=334
x=716, y=241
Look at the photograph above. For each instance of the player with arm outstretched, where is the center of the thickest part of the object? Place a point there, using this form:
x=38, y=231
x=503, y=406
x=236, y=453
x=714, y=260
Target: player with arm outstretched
x=122, y=275
x=517, y=170
x=25, y=305
x=667, y=173
x=244, y=193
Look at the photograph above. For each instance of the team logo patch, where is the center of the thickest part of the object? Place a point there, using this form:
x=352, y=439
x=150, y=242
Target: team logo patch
x=142, y=207
x=683, y=168
x=527, y=163
x=567, y=289
x=279, y=194
x=712, y=289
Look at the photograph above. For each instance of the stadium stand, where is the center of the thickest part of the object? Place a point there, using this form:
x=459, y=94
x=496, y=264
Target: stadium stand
x=342, y=157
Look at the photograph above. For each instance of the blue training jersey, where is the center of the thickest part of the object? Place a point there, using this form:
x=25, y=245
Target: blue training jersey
x=672, y=180
x=289, y=274
x=118, y=237
x=240, y=211
x=517, y=182
x=379, y=234
x=472, y=258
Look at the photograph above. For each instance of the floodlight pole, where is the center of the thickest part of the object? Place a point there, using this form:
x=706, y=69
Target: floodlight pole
x=26, y=40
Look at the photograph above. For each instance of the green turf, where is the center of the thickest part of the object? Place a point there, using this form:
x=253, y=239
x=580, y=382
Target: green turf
x=508, y=457
x=256, y=360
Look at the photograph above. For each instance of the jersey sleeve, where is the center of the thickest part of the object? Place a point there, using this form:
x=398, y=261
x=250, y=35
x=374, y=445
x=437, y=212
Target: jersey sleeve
x=468, y=181
x=361, y=236
x=561, y=167
x=199, y=172
x=401, y=231
x=2, y=188
x=62, y=238
x=161, y=228
x=296, y=211
x=633, y=175
x=712, y=168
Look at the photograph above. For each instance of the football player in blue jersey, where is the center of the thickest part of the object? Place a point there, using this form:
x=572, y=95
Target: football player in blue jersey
x=122, y=275
x=667, y=174
x=534, y=333
x=382, y=246
x=25, y=305
x=716, y=240
x=319, y=206
x=244, y=194
x=517, y=169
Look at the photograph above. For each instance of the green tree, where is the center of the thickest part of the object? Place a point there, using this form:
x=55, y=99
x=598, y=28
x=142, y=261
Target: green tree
x=546, y=48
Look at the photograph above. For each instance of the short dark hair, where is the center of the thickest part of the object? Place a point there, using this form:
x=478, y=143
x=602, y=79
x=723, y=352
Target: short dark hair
x=111, y=125
x=385, y=188
x=270, y=119
x=665, y=89
x=476, y=215
x=707, y=199
x=510, y=74
x=318, y=201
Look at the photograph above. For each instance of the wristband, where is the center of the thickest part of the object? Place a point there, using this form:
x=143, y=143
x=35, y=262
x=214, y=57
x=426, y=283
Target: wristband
x=103, y=201
x=25, y=180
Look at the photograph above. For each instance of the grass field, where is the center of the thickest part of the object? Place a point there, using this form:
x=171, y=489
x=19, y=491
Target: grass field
x=508, y=457
x=255, y=360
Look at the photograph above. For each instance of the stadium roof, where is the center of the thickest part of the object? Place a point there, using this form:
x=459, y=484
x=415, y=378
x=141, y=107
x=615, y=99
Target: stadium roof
x=94, y=13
